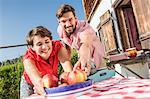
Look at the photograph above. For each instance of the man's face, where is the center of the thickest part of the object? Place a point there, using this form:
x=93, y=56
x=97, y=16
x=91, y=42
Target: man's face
x=68, y=22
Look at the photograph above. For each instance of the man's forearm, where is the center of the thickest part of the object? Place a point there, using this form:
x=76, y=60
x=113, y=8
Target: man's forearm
x=84, y=52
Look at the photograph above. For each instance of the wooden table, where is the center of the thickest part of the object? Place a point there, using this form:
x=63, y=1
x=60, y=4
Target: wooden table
x=124, y=60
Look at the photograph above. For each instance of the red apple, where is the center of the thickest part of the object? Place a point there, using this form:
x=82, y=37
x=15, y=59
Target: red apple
x=64, y=77
x=72, y=77
x=77, y=76
x=50, y=80
x=132, y=54
x=81, y=76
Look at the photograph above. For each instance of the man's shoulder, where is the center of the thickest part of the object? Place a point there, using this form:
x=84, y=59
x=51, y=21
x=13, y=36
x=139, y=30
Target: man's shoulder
x=82, y=22
x=83, y=25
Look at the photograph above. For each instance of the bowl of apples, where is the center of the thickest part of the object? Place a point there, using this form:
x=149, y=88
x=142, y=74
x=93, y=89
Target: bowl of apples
x=69, y=82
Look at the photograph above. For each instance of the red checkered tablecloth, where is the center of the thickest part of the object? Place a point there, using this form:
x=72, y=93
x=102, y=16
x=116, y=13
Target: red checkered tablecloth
x=120, y=88
x=113, y=88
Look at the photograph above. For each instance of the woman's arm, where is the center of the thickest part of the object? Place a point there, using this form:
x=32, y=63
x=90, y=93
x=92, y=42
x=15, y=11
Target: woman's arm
x=64, y=59
x=34, y=75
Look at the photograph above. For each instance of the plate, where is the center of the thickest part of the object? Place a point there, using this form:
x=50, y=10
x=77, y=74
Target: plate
x=84, y=85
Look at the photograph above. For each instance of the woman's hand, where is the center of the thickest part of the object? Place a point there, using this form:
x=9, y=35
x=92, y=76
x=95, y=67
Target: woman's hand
x=39, y=89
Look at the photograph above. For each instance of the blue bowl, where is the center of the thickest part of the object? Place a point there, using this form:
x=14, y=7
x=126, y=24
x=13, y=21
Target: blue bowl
x=68, y=87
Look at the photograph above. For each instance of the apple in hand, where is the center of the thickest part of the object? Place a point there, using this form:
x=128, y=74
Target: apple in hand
x=86, y=69
x=49, y=81
x=64, y=77
x=76, y=76
x=81, y=75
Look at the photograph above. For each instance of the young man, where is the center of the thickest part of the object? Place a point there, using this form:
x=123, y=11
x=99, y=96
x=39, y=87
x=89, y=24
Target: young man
x=79, y=35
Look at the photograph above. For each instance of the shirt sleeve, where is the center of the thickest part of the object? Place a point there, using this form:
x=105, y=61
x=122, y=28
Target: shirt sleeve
x=57, y=46
x=29, y=55
x=88, y=34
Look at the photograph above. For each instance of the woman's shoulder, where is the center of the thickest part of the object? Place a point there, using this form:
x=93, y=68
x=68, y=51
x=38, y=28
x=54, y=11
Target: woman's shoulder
x=30, y=54
x=56, y=44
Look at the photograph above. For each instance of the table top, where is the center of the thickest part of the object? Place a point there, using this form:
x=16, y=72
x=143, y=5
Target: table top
x=113, y=88
x=124, y=59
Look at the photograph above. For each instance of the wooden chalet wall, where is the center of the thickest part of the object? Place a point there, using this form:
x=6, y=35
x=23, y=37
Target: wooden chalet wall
x=142, y=14
x=107, y=33
x=88, y=5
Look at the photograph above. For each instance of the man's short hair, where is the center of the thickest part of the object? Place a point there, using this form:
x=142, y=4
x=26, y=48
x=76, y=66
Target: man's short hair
x=64, y=9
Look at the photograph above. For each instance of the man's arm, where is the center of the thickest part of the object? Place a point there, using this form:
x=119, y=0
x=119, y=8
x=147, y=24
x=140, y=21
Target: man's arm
x=85, y=53
x=86, y=45
x=86, y=40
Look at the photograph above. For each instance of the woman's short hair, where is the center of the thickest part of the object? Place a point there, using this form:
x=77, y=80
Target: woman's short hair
x=38, y=31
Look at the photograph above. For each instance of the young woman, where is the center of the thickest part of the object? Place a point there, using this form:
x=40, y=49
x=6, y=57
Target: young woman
x=42, y=57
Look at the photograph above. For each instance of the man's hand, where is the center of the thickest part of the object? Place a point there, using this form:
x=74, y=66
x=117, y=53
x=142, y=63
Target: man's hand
x=85, y=67
x=80, y=64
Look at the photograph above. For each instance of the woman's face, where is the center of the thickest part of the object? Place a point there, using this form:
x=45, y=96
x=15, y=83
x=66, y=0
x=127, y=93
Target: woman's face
x=68, y=22
x=42, y=46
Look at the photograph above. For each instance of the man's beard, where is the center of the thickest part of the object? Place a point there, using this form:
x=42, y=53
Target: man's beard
x=69, y=33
